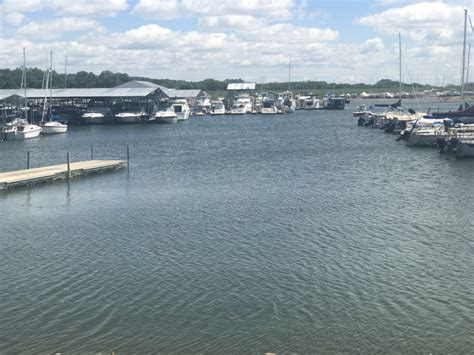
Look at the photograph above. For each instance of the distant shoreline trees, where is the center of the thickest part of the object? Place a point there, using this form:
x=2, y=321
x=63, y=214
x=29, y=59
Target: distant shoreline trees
x=11, y=79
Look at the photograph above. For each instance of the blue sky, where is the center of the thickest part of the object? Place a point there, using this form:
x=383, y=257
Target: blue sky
x=335, y=41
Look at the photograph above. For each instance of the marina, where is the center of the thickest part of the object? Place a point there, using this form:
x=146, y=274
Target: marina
x=299, y=180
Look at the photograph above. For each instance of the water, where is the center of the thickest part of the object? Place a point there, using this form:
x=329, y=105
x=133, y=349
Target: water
x=299, y=233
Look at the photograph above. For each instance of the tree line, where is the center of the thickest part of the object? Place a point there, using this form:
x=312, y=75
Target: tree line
x=11, y=79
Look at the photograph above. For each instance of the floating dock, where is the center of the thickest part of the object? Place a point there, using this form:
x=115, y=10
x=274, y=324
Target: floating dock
x=28, y=177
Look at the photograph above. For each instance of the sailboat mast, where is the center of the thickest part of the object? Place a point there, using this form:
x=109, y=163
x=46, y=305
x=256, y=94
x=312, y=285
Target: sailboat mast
x=289, y=74
x=65, y=72
x=463, y=57
x=24, y=83
x=400, y=67
x=468, y=64
x=51, y=84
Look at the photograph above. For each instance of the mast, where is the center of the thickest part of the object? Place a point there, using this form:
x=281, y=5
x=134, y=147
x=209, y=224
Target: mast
x=468, y=64
x=24, y=83
x=65, y=72
x=289, y=74
x=51, y=86
x=463, y=58
x=400, y=68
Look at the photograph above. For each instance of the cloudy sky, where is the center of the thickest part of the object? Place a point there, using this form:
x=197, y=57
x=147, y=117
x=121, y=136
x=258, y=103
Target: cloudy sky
x=332, y=40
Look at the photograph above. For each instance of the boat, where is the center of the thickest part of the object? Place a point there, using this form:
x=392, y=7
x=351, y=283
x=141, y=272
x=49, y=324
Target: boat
x=268, y=107
x=97, y=112
x=464, y=110
x=217, y=108
x=167, y=116
x=21, y=129
x=333, y=102
x=50, y=127
x=131, y=112
x=238, y=108
x=181, y=109
x=361, y=111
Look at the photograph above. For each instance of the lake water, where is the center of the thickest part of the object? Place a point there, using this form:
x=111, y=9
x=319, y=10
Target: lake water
x=297, y=233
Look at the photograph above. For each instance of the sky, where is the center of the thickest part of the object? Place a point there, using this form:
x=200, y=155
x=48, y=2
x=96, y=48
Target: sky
x=338, y=41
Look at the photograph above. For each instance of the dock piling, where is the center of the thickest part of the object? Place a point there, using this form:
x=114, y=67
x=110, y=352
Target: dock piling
x=28, y=160
x=128, y=157
x=92, y=152
x=68, y=165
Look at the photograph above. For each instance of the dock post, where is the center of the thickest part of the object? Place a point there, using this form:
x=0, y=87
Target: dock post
x=128, y=156
x=68, y=165
x=28, y=160
x=92, y=152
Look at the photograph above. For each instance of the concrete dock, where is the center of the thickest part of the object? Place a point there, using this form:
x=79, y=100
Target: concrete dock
x=27, y=177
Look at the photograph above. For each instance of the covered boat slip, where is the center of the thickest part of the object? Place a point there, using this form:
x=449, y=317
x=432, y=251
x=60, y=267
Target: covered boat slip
x=28, y=177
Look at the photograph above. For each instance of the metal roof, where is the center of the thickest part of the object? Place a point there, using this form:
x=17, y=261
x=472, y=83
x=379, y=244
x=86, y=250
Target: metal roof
x=241, y=86
x=8, y=93
x=133, y=88
x=181, y=94
x=82, y=92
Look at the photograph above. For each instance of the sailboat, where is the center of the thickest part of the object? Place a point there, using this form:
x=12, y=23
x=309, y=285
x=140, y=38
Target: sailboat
x=50, y=127
x=465, y=110
x=396, y=120
x=288, y=102
x=23, y=129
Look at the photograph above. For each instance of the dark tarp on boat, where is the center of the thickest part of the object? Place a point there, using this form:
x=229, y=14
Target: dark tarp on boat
x=395, y=105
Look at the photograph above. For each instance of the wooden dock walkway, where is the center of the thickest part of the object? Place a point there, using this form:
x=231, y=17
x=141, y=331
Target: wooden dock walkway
x=27, y=177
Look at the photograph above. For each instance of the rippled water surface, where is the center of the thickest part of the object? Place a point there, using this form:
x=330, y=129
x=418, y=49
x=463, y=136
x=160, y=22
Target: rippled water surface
x=300, y=233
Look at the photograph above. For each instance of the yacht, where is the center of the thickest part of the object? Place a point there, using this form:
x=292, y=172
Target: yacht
x=361, y=111
x=268, y=107
x=181, y=109
x=165, y=116
x=21, y=129
x=288, y=103
x=53, y=127
x=131, y=112
x=97, y=112
x=217, y=108
x=238, y=108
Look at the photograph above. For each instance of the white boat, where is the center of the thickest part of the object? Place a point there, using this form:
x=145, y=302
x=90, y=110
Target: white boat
x=50, y=127
x=361, y=111
x=20, y=129
x=268, y=107
x=97, y=112
x=217, y=108
x=238, y=108
x=289, y=104
x=181, y=109
x=130, y=117
x=53, y=127
x=165, y=116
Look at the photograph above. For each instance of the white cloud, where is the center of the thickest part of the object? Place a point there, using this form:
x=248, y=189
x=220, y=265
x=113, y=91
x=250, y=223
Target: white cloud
x=232, y=22
x=422, y=22
x=13, y=18
x=103, y=8
x=372, y=46
x=170, y=9
x=54, y=29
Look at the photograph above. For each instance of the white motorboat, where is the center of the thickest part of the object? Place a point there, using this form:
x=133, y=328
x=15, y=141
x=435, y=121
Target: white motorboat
x=238, y=108
x=22, y=132
x=289, y=104
x=217, y=108
x=166, y=116
x=181, y=109
x=53, y=127
x=268, y=107
x=131, y=112
x=97, y=112
x=130, y=117
x=361, y=111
